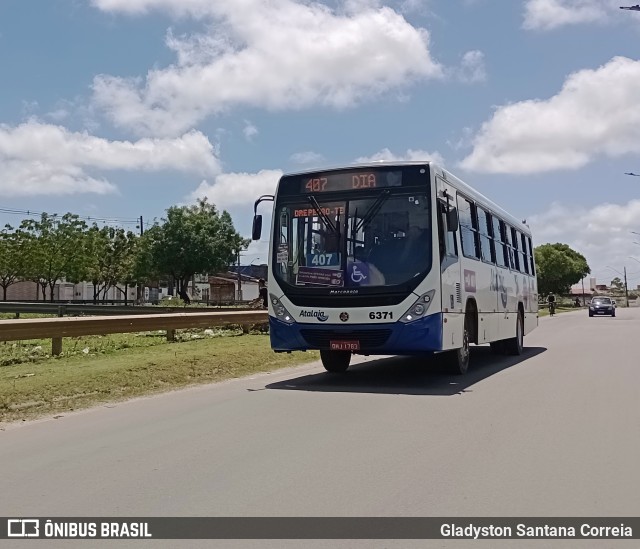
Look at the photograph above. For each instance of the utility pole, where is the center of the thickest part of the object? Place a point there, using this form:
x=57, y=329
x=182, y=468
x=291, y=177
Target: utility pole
x=239, y=279
x=626, y=290
x=583, y=298
x=140, y=288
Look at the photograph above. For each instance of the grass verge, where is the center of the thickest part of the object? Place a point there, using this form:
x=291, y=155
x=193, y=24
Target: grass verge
x=73, y=381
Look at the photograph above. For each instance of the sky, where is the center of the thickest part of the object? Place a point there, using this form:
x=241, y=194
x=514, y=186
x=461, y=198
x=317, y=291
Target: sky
x=116, y=109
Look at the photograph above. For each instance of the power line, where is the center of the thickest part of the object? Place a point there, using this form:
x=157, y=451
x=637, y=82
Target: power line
x=114, y=220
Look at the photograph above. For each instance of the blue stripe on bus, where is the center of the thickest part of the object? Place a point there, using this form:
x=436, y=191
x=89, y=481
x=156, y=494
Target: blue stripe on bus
x=423, y=335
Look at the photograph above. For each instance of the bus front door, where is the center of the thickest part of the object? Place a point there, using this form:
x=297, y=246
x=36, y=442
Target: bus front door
x=450, y=276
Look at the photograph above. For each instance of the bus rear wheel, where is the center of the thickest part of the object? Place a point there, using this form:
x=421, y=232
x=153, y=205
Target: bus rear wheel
x=335, y=361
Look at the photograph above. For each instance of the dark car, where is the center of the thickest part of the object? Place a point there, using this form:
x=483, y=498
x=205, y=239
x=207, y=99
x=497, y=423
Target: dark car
x=602, y=306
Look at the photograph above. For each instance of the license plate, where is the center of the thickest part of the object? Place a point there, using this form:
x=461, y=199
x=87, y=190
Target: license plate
x=344, y=345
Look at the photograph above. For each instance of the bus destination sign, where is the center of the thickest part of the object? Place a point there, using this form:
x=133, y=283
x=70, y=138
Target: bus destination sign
x=350, y=181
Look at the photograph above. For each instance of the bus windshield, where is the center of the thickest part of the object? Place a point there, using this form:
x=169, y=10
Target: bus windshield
x=374, y=241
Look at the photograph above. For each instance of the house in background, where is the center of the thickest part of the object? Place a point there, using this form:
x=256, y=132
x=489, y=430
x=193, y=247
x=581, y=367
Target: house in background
x=255, y=271
x=586, y=287
x=225, y=287
x=27, y=290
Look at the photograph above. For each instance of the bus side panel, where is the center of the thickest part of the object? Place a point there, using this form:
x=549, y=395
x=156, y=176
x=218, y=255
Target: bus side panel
x=507, y=324
x=486, y=299
x=452, y=328
x=530, y=322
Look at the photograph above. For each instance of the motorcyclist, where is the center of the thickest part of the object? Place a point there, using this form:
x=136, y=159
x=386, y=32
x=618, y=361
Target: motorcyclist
x=551, y=301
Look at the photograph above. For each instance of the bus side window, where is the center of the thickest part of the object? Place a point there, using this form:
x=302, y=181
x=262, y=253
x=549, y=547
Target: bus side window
x=524, y=258
x=508, y=246
x=501, y=254
x=531, y=256
x=468, y=228
x=515, y=251
x=446, y=238
x=484, y=226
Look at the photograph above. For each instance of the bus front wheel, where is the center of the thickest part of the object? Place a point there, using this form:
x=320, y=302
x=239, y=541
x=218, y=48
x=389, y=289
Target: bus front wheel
x=335, y=361
x=515, y=345
x=458, y=360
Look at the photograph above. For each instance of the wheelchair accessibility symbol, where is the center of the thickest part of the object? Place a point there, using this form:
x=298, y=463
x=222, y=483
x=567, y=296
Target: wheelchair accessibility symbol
x=359, y=273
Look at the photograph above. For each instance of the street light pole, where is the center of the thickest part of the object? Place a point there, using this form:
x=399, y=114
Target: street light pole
x=251, y=264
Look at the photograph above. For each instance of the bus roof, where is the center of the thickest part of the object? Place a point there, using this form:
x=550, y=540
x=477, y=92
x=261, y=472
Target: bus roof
x=450, y=178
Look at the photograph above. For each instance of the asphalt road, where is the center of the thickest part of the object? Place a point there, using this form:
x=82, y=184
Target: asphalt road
x=555, y=432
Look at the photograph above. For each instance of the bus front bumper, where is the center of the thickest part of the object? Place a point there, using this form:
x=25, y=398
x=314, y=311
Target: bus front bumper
x=420, y=336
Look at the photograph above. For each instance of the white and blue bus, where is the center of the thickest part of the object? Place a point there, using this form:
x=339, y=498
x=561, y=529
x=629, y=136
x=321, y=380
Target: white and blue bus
x=395, y=259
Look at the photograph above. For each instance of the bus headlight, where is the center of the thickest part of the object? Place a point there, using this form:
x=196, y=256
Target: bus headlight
x=280, y=310
x=419, y=308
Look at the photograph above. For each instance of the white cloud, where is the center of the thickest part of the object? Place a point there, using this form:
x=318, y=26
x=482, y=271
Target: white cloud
x=550, y=14
x=602, y=234
x=182, y=8
x=385, y=155
x=595, y=114
x=29, y=178
x=471, y=68
x=280, y=54
x=355, y=6
x=307, y=157
x=414, y=6
x=249, y=131
x=38, y=158
x=236, y=193
x=238, y=189
x=58, y=115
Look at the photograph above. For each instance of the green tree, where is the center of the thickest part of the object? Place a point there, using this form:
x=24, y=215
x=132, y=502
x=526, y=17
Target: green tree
x=124, y=250
x=617, y=284
x=559, y=267
x=53, y=248
x=192, y=239
x=10, y=259
x=109, y=259
x=95, y=271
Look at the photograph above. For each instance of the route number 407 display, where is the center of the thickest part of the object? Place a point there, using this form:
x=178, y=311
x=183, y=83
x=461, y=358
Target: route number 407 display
x=323, y=260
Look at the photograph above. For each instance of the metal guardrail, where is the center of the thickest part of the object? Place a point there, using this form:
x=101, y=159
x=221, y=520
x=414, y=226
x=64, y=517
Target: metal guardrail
x=70, y=309
x=57, y=328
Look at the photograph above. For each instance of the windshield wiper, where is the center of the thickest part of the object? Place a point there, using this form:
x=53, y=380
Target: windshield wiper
x=321, y=214
x=372, y=211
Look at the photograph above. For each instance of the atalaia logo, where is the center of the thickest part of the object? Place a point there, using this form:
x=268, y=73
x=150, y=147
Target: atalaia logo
x=320, y=315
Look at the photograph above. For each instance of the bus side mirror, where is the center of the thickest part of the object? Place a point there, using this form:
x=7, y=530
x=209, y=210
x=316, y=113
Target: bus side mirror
x=256, y=230
x=452, y=220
